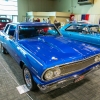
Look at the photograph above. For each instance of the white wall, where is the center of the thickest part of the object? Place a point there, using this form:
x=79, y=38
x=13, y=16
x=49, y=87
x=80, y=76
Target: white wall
x=63, y=5
x=72, y=6
x=35, y=6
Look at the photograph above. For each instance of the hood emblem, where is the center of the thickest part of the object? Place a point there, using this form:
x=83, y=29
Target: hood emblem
x=54, y=58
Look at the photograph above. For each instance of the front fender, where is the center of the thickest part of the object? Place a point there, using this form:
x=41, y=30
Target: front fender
x=35, y=65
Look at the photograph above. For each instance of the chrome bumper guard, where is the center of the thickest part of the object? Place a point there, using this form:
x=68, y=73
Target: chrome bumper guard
x=64, y=82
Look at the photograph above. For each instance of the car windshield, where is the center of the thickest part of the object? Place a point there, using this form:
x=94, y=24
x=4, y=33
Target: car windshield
x=4, y=20
x=83, y=28
x=75, y=28
x=33, y=31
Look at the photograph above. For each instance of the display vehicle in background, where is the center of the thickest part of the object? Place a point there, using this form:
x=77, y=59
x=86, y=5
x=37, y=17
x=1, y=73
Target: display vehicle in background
x=3, y=22
x=82, y=32
x=48, y=60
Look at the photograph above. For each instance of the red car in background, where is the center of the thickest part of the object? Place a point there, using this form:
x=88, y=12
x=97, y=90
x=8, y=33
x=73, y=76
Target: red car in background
x=3, y=22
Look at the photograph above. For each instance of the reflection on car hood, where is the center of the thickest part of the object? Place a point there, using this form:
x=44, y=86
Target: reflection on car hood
x=52, y=49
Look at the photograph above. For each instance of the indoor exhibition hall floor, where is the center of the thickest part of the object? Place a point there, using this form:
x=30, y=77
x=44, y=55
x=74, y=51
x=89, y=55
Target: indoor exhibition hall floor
x=11, y=77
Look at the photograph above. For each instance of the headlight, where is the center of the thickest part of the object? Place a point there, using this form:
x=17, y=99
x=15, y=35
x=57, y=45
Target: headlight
x=57, y=72
x=52, y=73
x=48, y=75
x=97, y=58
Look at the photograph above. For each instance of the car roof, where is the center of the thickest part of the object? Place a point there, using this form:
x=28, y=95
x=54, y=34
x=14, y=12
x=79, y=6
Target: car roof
x=32, y=24
x=84, y=24
x=4, y=18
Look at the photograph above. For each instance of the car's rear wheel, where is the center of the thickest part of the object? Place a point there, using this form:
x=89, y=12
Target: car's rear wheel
x=4, y=51
x=30, y=83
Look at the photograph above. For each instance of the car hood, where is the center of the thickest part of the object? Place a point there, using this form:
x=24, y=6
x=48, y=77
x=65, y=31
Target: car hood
x=52, y=49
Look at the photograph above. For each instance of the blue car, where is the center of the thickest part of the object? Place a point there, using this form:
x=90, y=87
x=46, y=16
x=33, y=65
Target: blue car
x=48, y=60
x=83, y=32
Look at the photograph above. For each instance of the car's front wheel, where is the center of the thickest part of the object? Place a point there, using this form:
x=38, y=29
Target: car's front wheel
x=4, y=51
x=30, y=83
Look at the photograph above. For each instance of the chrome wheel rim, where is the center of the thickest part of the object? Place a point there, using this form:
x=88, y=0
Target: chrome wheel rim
x=27, y=77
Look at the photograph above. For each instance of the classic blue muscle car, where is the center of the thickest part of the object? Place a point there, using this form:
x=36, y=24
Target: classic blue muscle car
x=83, y=32
x=48, y=60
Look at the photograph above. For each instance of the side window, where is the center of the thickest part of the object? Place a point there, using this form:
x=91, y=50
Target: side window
x=12, y=27
x=6, y=28
x=11, y=30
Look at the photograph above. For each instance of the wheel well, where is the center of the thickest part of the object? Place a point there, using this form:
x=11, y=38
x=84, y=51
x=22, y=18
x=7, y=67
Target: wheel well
x=21, y=64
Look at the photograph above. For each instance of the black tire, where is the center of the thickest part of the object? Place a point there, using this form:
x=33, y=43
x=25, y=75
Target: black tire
x=4, y=51
x=30, y=83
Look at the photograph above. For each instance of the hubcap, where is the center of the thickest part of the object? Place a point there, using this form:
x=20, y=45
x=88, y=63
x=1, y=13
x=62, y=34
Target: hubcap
x=27, y=77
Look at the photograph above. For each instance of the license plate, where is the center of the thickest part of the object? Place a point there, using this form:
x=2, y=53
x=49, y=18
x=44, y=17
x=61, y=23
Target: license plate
x=79, y=78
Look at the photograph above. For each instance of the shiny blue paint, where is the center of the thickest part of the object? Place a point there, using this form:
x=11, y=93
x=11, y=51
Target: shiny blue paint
x=92, y=38
x=37, y=52
x=78, y=73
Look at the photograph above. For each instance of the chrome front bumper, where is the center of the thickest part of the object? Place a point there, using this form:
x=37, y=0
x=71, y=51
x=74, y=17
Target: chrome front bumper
x=65, y=82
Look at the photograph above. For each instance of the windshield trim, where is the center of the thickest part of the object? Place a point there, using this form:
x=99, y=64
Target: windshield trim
x=34, y=28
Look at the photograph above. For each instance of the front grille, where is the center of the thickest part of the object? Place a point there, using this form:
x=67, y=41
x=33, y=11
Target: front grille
x=76, y=66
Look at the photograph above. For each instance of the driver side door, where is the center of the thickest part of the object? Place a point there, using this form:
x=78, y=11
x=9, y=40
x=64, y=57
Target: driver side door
x=9, y=41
